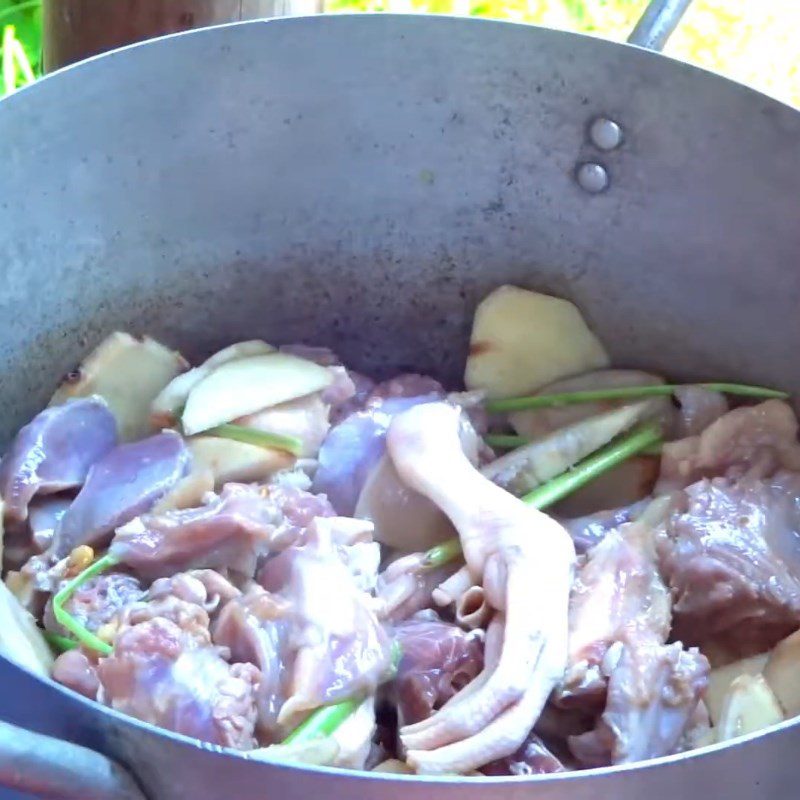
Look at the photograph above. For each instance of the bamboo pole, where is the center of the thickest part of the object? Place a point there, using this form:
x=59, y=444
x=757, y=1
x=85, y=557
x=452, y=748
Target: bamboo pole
x=77, y=29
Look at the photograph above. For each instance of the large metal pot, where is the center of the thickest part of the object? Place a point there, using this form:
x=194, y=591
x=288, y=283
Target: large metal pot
x=361, y=182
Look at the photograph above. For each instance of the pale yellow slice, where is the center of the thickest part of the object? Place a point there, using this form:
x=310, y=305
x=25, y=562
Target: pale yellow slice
x=247, y=385
x=523, y=340
x=127, y=373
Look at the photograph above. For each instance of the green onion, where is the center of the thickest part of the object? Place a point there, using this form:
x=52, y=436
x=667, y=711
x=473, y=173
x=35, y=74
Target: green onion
x=65, y=619
x=241, y=433
x=442, y=554
x=592, y=467
x=323, y=722
x=60, y=643
x=626, y=393
x=565, y=484
x=509, y=441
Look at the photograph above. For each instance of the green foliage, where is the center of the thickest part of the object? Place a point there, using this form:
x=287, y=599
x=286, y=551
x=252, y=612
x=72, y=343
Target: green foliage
x=752, y=41
x=26, y=18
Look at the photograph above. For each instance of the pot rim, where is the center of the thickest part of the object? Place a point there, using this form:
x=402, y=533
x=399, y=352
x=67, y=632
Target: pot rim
x=7, y=105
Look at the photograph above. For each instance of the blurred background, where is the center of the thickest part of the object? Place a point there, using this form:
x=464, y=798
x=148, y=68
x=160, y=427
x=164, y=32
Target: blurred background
x=753, y=41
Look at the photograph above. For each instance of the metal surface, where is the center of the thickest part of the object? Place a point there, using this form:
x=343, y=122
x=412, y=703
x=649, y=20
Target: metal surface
x=361, y=182
x=605, y=134
x=592, y=177
x=52, y=769
x=658, y=23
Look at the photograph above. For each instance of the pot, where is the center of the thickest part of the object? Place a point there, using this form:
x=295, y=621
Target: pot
x=361, y=182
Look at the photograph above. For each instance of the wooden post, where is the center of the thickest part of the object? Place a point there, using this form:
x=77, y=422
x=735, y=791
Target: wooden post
x=77, y=29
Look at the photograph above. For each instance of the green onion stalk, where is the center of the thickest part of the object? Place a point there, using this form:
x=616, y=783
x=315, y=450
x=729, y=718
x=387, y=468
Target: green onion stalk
x=626, y=393
x=259, y=438
x=324, y=721
x=510, y=441
x=82, y=635
x=608, y=457
x=60, y=643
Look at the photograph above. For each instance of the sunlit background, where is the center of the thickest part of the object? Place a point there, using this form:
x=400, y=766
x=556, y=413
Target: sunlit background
x=756, y=42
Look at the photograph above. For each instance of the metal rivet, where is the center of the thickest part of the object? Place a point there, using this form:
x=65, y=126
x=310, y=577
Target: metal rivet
x=592, y=178
x=605, y=134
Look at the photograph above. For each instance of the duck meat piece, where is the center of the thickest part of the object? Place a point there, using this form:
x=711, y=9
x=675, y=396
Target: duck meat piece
x=618, y=593
x=438, y=659
x=160, y=675
x=203, y=587
x=298, y=505
x=407, y=385
x=341, y=393
x=54, y=452
x=653, y=694
x=354, y=447
x=341, y=648
x=255, y=628
x=96, y=602
x=298, y=508
x=75, y=670
x=524, y=561
x=187, y=599
x=190, y=618
x=532, y=757
x=699, y=407
x=348, y=538
x=18, y=548
x=407, y=586
x=731, y=557
x=362, y=388
x=44, y=514
x=752, y=441
x=354, y=544
x=588, y=531
x=126, y=482
x=230, y=532
x=557, y=725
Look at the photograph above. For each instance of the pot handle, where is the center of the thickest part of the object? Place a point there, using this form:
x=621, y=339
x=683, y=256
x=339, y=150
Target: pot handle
x=52, y=769
x=658, y=23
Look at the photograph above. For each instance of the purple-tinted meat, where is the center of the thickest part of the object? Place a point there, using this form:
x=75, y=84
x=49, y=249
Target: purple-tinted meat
x=97, y=601
x=255, y=628
x=229, y=532
x=531, y=758
x=437, y=660
x=732, y=560
x=353, y=448
x=122, y=485
x=160, y=675
x=54, y=452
